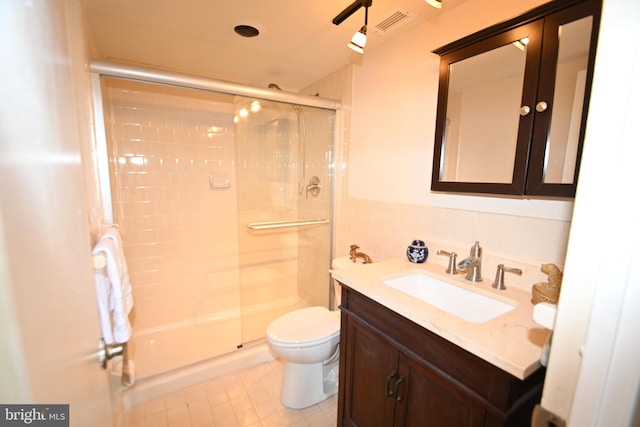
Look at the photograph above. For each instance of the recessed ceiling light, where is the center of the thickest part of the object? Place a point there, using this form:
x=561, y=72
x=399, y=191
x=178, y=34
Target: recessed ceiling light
x=246, y=30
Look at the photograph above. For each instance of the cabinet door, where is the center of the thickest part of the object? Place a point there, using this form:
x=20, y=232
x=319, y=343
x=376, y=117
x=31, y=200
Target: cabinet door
x=568, y=52
x=425, y=399
x=482, y=138
x=371, y=377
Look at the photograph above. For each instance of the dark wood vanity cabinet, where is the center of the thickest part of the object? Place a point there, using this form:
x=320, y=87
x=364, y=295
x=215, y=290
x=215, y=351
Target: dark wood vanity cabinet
x=394, y=372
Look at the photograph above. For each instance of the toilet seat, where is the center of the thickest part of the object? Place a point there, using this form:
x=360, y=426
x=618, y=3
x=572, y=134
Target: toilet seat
x=305, y=327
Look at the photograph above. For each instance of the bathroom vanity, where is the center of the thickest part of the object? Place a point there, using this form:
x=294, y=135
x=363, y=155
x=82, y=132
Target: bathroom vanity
x=406, y=362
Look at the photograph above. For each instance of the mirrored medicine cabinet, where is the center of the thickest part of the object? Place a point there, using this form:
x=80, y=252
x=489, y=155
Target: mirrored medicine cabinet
x=512, y=103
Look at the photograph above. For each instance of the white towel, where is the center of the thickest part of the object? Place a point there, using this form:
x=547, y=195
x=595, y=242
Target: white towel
x=113, y=234
x=113, y=289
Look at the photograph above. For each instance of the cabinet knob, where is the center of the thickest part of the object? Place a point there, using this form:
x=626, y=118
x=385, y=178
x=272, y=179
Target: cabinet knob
x=541, y=106
x=524, y=110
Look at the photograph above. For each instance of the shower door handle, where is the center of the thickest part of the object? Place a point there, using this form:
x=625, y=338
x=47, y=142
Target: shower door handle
x=313, y=187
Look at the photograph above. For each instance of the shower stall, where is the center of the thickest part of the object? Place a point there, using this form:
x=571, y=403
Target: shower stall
x=222, y=194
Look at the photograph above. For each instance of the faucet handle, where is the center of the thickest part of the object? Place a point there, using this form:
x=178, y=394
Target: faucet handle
x=498, y=283
x=451, y=269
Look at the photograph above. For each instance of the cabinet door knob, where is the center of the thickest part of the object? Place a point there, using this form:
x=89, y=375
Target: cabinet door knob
x=391, y=376
x=541, y=106
x=524, y=110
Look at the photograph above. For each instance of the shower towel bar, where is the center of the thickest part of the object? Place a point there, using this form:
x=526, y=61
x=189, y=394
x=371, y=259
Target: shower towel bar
x=283, y=224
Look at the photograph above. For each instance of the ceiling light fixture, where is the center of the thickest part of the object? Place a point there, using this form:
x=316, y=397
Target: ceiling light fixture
x=435, y=3
x=359, y=39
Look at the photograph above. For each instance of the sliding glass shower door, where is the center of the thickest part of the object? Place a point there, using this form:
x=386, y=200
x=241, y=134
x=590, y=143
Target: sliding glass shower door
x=285, y=184
x=188, y=171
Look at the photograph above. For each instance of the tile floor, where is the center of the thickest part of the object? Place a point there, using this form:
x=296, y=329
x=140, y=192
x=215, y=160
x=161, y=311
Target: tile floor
x=246, y=398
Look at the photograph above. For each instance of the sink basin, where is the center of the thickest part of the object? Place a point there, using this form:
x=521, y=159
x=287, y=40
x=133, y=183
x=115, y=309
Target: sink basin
x=468, y=305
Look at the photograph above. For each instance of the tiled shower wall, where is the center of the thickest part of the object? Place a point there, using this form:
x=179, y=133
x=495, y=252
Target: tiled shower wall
x=171, y=222
x=314, y=243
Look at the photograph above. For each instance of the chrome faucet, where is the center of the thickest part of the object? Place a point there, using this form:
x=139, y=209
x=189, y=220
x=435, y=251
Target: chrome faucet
x=472, y=265
x=354, y=255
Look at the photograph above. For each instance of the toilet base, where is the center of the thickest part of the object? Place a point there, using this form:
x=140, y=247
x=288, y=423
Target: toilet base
x=304, y=385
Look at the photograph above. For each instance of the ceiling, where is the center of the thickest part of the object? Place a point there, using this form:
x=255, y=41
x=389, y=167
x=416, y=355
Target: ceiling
x=297, y=45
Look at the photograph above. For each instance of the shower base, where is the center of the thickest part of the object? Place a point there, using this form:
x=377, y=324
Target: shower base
x=176, y=356
x=171, y=382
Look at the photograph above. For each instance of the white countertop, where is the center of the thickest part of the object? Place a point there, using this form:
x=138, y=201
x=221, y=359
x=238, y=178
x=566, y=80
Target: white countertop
x=512, y=341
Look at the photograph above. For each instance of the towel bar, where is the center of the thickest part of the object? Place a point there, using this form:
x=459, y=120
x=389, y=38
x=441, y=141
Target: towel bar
x=283, y=224
x=100, y=260
x=107, y=352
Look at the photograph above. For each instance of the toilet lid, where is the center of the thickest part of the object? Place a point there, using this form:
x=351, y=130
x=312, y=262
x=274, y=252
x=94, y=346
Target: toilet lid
x=307, y=324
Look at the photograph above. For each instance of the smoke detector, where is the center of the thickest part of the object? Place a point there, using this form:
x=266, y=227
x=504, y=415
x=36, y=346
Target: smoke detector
x=395, y=20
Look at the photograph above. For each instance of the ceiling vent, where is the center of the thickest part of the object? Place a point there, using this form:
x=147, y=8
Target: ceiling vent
x=396, y=19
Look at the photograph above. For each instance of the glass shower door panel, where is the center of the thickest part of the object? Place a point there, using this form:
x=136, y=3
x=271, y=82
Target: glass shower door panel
x=180, y=235
x=280, y=147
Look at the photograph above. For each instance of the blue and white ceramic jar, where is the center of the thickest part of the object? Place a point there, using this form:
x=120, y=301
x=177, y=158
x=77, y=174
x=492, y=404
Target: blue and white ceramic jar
x=417, y=252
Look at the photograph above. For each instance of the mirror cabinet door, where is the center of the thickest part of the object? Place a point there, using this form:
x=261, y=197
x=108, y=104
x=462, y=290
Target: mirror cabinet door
x=482, y=116
x=482, y=139
x=565, y=79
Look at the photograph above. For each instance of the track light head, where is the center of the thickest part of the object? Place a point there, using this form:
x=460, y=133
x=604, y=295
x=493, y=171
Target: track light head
x=435, y=3
x=358, y=40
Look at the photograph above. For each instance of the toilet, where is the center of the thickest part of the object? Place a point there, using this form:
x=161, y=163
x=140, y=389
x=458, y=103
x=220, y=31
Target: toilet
x=307, y=341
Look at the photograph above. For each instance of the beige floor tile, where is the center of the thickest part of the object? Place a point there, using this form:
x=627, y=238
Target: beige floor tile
x=249, y=398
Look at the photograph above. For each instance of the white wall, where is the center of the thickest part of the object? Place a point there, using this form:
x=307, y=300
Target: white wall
x=396, y=89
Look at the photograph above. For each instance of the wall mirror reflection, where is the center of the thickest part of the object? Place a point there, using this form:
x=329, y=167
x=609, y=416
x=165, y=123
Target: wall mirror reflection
x=571, y=75
x=482, y=115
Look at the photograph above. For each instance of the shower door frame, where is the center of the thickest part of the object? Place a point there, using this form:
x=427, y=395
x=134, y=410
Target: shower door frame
x=100, y=69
